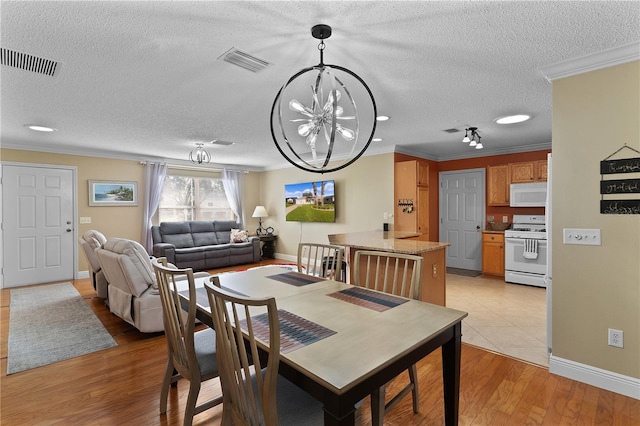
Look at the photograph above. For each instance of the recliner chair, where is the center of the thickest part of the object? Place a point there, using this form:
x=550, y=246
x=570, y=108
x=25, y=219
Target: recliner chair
x=90, y=241
x=133, y=293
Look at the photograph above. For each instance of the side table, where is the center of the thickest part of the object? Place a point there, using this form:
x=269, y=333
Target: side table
x=268, y=245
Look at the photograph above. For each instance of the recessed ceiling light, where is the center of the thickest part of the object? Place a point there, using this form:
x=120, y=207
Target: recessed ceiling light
x=510, y=119
x=39, y=128
x=382, y=118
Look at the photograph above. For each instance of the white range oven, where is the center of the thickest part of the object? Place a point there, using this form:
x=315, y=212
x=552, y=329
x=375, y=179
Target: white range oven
x=526, y=250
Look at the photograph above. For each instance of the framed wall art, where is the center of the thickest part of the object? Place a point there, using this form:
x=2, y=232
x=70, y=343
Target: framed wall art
x=113, y=193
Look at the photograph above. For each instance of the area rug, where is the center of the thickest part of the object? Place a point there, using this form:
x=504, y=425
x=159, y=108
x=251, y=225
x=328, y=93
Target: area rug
x=51, y=323
x=463, y=272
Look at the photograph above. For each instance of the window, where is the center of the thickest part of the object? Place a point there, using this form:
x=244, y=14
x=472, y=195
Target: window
x=186, y=198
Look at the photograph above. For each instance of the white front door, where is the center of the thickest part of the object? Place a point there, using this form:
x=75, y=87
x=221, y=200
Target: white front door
x=38, y=224
x=462, y=200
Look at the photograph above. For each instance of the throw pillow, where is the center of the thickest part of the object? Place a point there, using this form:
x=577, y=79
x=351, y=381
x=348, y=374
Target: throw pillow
x=239, y=235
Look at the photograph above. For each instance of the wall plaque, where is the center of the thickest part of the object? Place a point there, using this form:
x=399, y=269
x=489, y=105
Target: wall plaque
x=629, y=170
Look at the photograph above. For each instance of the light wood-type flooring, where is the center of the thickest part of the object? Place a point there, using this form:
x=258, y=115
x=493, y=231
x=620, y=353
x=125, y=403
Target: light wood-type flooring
x=121, y=386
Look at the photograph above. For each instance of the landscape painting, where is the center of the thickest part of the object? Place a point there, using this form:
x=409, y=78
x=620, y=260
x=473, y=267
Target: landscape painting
x=113, y=193
x=310, y=201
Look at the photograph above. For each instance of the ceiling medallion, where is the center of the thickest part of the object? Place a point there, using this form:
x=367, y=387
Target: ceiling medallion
x=318, y=122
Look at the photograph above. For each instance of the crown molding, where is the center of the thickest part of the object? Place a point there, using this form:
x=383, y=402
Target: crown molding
x=607, y=58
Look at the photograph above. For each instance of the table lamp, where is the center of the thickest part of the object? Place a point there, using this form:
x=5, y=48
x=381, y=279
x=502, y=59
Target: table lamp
x=260, y=212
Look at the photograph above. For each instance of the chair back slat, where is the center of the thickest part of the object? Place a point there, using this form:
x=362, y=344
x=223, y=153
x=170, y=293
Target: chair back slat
x=178, y=325
x=240, y=326
x=321, y=260
x=393, y=273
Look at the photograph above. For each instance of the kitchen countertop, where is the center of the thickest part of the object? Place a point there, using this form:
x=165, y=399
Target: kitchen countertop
x=391, y=241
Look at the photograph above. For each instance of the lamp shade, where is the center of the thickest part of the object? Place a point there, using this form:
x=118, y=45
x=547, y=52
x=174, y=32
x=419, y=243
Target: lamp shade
x=260, y=211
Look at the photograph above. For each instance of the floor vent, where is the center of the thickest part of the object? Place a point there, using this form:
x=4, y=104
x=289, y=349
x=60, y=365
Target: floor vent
x=244, y=60
x=27, y=62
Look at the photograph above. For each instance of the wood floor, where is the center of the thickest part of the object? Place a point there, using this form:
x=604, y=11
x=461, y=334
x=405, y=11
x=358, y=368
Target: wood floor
x=121, y=386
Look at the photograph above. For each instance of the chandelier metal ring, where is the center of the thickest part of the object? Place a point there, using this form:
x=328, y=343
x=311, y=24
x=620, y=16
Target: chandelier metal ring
x=332, y=103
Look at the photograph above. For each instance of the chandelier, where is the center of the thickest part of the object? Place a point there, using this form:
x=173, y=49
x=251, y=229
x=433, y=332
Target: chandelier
x=474, y=139
x=314, y=118
x=199, y=155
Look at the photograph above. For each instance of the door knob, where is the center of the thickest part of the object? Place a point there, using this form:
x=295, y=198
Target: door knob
x=68, y=230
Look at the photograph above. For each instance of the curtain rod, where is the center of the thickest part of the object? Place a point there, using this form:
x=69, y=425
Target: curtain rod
x=194, y=168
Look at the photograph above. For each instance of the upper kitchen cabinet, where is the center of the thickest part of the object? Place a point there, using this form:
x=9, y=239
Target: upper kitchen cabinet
x=411, y=190
x=498, y=185
x=529, y=171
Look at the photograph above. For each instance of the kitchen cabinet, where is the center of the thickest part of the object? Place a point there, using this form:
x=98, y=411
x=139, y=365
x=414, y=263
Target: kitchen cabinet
x=498, y=185
x=528, y=171
x=493, y=253
x=411, y=190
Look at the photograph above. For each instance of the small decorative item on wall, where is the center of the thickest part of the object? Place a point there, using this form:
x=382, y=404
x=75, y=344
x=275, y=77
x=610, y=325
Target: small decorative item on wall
x=113, y=193
x=624, y=189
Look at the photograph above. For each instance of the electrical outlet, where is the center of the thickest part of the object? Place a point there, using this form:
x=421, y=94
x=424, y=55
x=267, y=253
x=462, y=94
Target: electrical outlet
x=505, y=219
x=616, y=338
x=385, y=216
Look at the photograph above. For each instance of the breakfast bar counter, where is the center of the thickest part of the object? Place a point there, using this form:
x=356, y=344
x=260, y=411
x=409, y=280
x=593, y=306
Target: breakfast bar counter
x=433, y=285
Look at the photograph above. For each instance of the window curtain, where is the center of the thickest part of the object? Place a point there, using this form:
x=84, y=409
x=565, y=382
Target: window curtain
x=233, y=182
x=154, y=181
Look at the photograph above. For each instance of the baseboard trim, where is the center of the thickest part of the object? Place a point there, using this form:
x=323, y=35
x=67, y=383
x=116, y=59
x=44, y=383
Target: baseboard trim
x=82, y=274
x=614, y=382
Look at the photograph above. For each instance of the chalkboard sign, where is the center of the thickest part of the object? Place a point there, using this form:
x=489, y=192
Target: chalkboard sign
x=620, y=206
x=623, y=186
x=625, y=165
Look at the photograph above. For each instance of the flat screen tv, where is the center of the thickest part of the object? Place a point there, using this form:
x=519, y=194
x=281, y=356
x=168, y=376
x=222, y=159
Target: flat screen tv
x=310, y=201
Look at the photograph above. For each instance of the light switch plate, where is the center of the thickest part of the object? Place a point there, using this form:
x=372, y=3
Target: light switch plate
x=584, y=237
x=85, y=219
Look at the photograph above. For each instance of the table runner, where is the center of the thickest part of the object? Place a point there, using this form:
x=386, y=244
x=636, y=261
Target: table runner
x=297, y=279
x=368, y=298
x=295, y=332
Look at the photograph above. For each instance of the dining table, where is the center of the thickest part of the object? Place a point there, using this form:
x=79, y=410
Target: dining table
x=346, y=341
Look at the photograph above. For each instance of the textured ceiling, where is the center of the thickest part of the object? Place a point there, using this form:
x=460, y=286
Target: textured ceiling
x=142, y=80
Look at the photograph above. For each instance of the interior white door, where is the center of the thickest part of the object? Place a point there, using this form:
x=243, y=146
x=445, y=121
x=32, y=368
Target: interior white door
x=38, y=224
x=462, y=201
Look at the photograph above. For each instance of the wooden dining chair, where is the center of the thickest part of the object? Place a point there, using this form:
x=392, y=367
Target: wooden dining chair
x=322, y=260
x=253, y=392
x=192, y=355
x=400, y=275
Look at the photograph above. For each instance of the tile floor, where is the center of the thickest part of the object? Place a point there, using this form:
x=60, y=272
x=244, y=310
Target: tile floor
x=506, y=318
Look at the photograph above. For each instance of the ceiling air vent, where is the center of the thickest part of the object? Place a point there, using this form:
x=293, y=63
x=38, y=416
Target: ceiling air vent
x=223, y=143
x=28, y=62
x=244, y=60
x=451, y=130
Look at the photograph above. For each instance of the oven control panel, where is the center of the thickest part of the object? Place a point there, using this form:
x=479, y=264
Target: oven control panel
x=585, y=237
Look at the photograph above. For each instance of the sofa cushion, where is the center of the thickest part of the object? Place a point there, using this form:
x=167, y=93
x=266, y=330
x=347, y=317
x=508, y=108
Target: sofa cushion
x=223, y=230
x=239, y=236
x=177, y=233
x=203, y=233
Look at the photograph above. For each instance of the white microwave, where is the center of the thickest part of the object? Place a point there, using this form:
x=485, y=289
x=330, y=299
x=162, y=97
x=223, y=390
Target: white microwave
x=528, y=194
